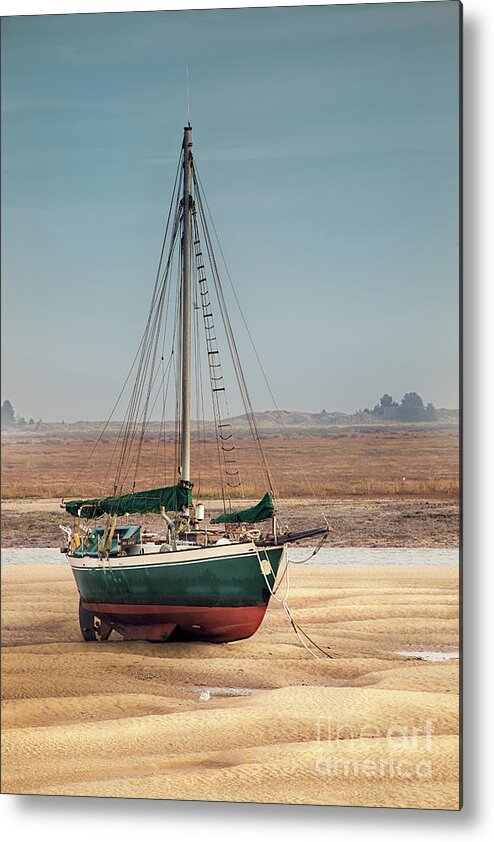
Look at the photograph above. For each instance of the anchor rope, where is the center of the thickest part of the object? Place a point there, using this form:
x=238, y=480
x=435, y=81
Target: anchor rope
x=297, y=628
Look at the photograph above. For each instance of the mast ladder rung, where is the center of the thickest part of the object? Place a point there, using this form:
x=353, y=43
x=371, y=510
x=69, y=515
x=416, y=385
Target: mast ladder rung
x=219, y=389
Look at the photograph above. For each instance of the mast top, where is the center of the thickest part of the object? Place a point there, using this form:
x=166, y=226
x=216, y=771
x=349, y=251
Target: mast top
x=187, y=135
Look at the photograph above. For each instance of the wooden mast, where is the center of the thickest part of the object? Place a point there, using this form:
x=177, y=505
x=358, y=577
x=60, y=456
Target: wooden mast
x=186, y=299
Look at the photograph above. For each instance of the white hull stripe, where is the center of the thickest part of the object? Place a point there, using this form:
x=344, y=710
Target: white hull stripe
x=196, y=556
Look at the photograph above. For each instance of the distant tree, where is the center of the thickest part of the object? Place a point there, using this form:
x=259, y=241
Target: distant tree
x=411, y=408
x=431, y=412
x=386, y=408
x=8, y=414
x=21, y=421
x=31, y=421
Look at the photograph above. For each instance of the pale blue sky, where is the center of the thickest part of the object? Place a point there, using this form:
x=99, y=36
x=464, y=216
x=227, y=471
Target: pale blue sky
x=327, y=141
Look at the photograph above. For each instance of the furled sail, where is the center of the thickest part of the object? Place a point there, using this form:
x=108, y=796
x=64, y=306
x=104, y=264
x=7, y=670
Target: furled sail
x=263, y=511
x=172, y=498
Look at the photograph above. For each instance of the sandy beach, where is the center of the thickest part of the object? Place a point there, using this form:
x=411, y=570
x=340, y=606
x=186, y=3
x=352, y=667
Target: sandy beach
x=366, y=726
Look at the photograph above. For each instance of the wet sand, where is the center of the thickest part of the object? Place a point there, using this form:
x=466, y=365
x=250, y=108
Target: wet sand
x=367, y=726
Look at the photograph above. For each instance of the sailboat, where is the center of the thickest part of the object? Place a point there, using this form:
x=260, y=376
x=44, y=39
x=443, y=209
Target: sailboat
x=191, y=581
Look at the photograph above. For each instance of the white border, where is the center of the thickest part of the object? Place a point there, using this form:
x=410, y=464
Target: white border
x=37, y=7
x=57, y=819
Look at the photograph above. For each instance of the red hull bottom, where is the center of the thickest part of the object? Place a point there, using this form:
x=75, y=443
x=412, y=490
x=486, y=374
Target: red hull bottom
x=192, y=622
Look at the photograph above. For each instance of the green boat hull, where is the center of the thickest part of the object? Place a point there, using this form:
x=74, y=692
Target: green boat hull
x=216, y=594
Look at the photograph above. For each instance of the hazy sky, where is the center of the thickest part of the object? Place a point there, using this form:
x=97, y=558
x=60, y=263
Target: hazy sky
x=327, y=142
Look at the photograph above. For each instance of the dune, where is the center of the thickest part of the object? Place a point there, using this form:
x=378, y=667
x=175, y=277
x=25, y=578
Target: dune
x=367, y=725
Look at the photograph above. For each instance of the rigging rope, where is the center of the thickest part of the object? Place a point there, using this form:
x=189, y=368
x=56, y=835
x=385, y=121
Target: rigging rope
x=139, y=349
x=232, y=343
x=314, y=552
x=227, y=456
x=130, y=438
x=128, y=429
x=297, y=628
x=146, y=365
x=249, y=334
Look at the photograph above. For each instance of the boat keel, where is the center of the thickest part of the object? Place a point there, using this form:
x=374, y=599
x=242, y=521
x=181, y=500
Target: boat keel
x=216, y=624
x=153, y=631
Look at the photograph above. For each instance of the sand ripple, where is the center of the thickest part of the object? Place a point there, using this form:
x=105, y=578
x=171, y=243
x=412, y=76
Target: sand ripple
x=368, y=726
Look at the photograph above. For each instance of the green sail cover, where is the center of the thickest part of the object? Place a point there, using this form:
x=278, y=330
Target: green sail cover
x=173, y=499
x=263, y=511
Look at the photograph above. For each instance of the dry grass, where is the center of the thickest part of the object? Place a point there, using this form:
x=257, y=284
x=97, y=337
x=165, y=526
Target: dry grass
x=390, y=462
